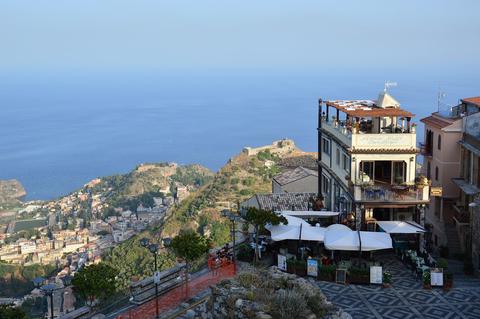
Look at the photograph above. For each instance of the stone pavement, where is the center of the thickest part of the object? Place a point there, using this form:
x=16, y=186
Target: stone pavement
x=406, y=298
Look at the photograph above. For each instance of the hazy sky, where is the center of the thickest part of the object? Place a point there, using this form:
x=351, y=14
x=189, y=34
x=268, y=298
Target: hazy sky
x=115, y=34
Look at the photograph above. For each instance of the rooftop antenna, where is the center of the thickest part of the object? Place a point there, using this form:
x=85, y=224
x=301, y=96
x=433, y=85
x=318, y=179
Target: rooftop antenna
x=440, y=96
x=388, y=84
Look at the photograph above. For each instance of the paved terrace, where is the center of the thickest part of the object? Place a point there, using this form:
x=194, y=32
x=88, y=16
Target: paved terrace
x=406, y=298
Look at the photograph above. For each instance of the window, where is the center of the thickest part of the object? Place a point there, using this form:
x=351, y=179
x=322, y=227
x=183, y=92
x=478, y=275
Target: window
x=399, y=172
x=439, y=142
x=366, y=169
x=345, y=162
x=436, y=173
x=428, y=170
x=338, y=156
x=326, y=185
x=326, y=146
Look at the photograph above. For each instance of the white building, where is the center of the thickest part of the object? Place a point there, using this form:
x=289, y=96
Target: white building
x=298, y=180
x=367, y=160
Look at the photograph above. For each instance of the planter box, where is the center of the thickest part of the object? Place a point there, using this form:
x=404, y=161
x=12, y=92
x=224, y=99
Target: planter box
x=359, y=279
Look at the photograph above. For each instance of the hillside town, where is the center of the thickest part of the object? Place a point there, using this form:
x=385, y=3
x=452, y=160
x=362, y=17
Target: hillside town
x=368, y=212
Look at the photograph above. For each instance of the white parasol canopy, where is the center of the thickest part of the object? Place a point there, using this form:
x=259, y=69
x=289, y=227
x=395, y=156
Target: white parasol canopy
x=340, y=237
x=309, y=213
x=296, y=229
x=400, y=227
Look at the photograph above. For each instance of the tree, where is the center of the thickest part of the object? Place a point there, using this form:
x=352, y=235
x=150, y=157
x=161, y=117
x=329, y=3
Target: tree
x=259, y=218
x=189, y=246
x=11, y=312
x=96, y=281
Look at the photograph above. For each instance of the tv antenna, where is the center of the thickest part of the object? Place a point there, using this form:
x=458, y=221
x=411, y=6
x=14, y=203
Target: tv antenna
x=389, y=84
x=440, y=96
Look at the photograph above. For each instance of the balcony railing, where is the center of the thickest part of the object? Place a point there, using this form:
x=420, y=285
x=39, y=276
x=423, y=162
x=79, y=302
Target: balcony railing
x=391, y=193
x=425, y=150
x=363, y=137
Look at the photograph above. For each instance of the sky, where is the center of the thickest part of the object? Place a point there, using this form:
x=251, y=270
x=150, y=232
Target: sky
x=211, y=35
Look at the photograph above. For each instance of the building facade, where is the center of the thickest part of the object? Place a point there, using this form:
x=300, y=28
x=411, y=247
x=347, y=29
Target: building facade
x=467, y=214
x=441, y=163
x=367, y=161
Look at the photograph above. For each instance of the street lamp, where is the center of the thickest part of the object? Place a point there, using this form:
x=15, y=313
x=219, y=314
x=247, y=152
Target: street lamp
x=48, y=291
x=233, y=218
x=153, y=248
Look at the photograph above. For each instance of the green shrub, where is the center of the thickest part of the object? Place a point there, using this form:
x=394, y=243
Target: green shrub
x=249, y=279
x=442, y=263
x=245, y=253
x=288, y=304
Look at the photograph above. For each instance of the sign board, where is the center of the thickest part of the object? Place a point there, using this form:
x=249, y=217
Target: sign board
x=312, y=267
x=376, y=275
x=282, y=262
x=436, y=277
x=436, y=191
x=341, y=276
x=156, y=277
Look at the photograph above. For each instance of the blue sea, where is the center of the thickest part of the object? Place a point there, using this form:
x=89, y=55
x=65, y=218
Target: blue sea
x=58, y=130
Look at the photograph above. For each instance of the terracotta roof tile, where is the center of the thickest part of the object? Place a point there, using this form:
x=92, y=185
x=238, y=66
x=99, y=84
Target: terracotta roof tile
x=436, y=122
x=474, y=100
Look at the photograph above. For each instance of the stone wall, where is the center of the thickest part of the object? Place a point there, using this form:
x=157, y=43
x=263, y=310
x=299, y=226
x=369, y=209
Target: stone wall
x=261, y=295
x=278, y=147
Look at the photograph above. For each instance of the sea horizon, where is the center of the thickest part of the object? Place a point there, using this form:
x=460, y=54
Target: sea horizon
x=58, y=130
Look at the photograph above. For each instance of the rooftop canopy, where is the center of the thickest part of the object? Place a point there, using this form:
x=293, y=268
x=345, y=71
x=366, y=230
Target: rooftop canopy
x=384, y=106
x=400, y=227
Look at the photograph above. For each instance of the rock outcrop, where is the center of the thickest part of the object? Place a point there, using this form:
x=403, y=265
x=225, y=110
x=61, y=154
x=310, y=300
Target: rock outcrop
x=263, y=294
x=11, y=191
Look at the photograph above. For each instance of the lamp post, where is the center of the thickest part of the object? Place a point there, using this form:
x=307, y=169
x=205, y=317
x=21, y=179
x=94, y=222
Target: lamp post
x=153, y=248
x=48, y=291
x=233, y=218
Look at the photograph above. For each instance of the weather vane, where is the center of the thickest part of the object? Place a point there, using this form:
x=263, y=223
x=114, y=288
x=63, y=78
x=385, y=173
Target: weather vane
x=389, y=84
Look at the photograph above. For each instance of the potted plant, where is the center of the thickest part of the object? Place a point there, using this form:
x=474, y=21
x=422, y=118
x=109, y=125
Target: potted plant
x=422, y=181
x=387, y=279
x=414, y=128
x=426, y=277
x=326, y=272
x=448, y=281
x=358, y=276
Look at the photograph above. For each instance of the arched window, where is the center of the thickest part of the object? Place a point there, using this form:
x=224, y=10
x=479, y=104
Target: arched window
x=436, y=173
x=439, y=142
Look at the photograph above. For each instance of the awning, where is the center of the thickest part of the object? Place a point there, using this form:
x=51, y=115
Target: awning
x=466, y=187
x=400, y=227
x=309, y=213
x=340, y=237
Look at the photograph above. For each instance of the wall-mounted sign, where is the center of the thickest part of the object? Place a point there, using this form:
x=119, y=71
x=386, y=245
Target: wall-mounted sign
x=312, y=267
x=282, y=262
x=436, y=191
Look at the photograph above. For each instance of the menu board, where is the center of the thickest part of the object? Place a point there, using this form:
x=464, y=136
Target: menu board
x=376, y=275
x=282, y=262
x=341, y=276
x=436, y=277
x=312, y=267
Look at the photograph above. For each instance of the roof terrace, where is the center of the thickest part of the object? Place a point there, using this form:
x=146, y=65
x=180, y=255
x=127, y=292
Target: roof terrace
x=354, y=120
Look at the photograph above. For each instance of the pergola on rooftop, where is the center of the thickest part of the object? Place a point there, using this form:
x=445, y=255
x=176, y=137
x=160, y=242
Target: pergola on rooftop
x=367, y=116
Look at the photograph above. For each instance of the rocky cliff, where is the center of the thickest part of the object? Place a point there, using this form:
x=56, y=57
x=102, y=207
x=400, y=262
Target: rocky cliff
x=11, y=191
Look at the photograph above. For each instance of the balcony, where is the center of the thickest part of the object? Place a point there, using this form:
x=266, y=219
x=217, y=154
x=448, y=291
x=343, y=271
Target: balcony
x=380, y=193
x=364, y=137
x=425, y=149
